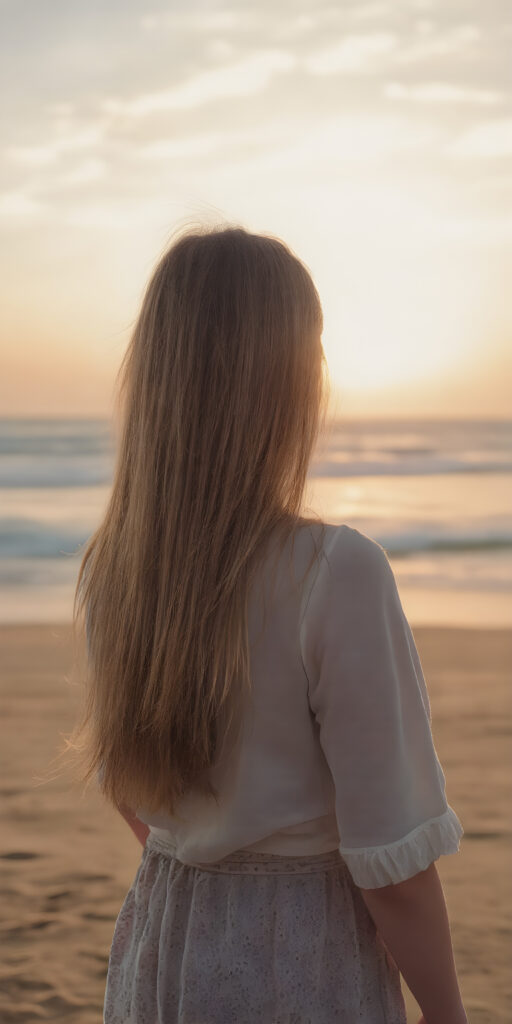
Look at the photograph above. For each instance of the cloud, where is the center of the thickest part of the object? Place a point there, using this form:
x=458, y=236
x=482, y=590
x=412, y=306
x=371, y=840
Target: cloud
x=120, y=214
x=440, y=92
x=32, y=156
x=449, y=42
x=196, y=21
x=19, y=206
x=244, y=78
x=373, y=51
x=195, y=145
x=273, y=21
x=61, y=109
x=372, y=10
x=89, y=170
x=352, y=53
x=48, y=153
x=343, y=138
x=220, y=49
x=366, y=136
x=488, y=139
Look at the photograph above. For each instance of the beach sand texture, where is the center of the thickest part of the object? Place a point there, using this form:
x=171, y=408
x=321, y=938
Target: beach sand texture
x=67, y=859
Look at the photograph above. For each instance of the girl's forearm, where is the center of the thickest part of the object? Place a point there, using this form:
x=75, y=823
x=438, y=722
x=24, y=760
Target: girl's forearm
x=413, y=921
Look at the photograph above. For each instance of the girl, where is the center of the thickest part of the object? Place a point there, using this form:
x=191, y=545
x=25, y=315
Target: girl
x=255, y=703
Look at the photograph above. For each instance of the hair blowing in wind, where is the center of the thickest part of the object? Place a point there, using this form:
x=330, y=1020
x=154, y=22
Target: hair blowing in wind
x=222, y=396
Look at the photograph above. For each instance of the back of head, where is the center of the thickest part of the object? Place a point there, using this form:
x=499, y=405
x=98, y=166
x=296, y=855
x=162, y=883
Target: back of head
x=226, y=358
x=222, y=394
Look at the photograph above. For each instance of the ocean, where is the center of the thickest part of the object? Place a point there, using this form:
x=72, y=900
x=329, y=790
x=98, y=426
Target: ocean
x=436, y=494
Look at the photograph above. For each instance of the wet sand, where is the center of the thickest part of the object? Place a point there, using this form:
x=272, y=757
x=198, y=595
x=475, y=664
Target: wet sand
x=67, y=858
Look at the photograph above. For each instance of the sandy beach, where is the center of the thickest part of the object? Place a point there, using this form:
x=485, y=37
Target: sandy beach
x=67, y=859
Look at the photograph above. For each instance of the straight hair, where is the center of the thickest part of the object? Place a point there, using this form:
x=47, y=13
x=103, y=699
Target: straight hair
x=222, y=394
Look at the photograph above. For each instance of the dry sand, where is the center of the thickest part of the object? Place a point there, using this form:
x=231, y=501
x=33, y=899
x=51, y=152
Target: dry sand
x=67, y=859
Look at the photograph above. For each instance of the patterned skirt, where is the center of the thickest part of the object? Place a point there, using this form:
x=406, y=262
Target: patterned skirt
x=254, y=938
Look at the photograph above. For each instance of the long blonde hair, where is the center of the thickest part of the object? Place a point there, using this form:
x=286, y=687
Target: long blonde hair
x=223, y=393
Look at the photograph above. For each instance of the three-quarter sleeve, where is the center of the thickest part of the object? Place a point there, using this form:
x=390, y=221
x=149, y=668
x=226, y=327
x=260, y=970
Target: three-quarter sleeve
x=368, y=695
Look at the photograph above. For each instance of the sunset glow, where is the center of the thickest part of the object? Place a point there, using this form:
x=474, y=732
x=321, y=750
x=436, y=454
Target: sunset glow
x=374, y=138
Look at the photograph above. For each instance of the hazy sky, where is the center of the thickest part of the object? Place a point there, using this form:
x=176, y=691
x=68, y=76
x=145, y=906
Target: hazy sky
x=374, y=138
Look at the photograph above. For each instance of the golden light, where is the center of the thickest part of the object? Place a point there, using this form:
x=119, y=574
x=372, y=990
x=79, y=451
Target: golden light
x=398, y=306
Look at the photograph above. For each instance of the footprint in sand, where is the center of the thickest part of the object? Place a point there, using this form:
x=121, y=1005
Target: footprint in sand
x=19, y=855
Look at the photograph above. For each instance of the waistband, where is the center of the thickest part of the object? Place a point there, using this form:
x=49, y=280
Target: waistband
x=248, y=862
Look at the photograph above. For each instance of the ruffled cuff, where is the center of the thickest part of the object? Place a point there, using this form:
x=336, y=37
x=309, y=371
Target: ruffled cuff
x=375, y=866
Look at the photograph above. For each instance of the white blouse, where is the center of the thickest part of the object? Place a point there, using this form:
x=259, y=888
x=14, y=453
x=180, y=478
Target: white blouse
x=336, y=749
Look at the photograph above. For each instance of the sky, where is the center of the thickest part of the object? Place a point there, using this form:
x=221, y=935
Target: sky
x=374, y=138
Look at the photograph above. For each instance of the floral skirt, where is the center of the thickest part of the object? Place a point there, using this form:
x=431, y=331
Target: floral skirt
x=254, y=938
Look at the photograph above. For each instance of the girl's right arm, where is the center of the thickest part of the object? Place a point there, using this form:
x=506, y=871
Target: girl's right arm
x=370, y=702
x=412, y=919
